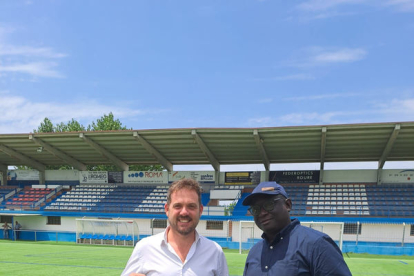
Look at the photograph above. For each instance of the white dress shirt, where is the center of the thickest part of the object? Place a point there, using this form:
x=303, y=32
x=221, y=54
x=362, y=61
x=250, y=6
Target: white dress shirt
x=154, y=256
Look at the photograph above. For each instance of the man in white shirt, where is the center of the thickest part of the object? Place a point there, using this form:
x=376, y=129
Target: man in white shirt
x=179, y=250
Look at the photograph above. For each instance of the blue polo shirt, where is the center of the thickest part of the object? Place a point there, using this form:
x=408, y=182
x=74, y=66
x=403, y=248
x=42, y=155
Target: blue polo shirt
x=296, y=250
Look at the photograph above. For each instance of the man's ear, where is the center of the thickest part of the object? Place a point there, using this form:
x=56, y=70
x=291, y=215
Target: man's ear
x=166, y=207
x=201, y=209
x=288, y=204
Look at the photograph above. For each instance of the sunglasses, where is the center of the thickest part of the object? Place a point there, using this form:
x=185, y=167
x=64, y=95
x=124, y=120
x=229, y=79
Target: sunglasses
x=267, y=206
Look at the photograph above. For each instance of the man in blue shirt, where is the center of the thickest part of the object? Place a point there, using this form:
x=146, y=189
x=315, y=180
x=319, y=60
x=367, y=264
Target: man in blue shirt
x=287, y=247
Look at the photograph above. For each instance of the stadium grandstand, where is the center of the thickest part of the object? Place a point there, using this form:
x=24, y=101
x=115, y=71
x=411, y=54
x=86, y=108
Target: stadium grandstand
x=364, y=210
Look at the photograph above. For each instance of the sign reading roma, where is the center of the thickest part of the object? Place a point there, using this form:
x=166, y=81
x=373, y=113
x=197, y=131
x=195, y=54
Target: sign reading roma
x=146, y=177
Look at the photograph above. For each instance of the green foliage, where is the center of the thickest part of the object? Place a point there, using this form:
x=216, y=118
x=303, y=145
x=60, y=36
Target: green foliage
x=228, y=211
x=72, y=125
x=113, y=168
x=106, y=122
x=26, y=168
x=146, y=168
x=45, y=126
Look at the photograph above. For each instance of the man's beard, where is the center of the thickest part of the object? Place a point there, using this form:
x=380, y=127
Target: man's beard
x=183, y=231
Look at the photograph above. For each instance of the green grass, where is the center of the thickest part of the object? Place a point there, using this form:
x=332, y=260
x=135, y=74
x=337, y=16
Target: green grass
x=49, y=258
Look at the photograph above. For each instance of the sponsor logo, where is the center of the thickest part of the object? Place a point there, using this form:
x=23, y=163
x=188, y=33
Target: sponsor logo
x=146, y=175
x=137, y=174
x=97, y=176
x=205, y=177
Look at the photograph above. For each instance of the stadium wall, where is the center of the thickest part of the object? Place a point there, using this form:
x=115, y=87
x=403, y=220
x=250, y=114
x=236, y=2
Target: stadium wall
x=385, y=237
x=74, y=177
x=350, y=176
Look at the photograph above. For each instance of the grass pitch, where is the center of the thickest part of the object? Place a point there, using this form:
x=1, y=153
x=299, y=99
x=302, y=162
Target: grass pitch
x=48, y=258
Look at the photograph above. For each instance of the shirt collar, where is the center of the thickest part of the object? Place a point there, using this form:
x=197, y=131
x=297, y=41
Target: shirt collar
x=165, y=238
x=284, y=232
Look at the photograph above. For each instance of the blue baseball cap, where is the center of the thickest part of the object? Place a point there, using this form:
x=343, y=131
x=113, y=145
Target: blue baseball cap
x=265, y=188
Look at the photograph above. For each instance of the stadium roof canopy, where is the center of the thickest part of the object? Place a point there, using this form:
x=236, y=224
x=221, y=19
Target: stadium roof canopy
x=379, y=142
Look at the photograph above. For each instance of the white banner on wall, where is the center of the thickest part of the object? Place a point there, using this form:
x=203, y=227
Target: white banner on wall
x=93, y=177
x=200, y=176
x=22, y=175
x=62, y=175
x=148, y=177
x=398, y=176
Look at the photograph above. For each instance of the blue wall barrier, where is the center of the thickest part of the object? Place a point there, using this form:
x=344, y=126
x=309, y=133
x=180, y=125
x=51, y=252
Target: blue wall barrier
x=375, y=248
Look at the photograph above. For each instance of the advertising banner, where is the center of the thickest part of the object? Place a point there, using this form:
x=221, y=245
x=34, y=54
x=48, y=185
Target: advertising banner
x=242, y=178
x=294, y=176
x=22, y=175
x=62, y=175
x=398, y=176
x=88, y=177
x=115, y=177
x=147, y=177
x=201, y=177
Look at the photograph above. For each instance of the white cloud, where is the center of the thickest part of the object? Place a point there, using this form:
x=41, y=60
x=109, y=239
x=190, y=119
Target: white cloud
x=395, y=110
x=397, y=106
x=325, y=8
x=305, y=118
x=295, y=77
x=331, y=14
x=318, y=56
x=21, y=115
x=262, y=122
x=342, y=55
x=5, y=30
x=310, y=118
x=322, y=96
x=17, y=60
x=38, y=69
x=265, y=100
x=402, y=5
x=287, y=78
x=28, y=51
x=321, y=5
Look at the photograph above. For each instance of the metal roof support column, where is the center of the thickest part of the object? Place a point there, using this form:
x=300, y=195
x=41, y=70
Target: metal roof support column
x=118, y=162
x=24, y=159
x=323, y=149
x=379, y=176
x=63, y=156
x=266, y=176
x=387, y=151
x=42, y=177
x=3, y=170
x=259, y=143
x=207, y=152
x=163, y=161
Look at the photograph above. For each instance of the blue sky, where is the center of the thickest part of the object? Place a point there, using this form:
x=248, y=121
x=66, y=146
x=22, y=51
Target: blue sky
x=182, y=64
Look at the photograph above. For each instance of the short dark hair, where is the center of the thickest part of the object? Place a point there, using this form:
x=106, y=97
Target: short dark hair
x=185, y=183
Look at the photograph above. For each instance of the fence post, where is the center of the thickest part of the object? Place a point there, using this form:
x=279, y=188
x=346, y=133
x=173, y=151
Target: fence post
x=152, y=227
x=357, y=233
x=403, y=236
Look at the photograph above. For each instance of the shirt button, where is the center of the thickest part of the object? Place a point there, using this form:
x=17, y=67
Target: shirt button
x=271, y=247
x=281, y=238
x=266, y=267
